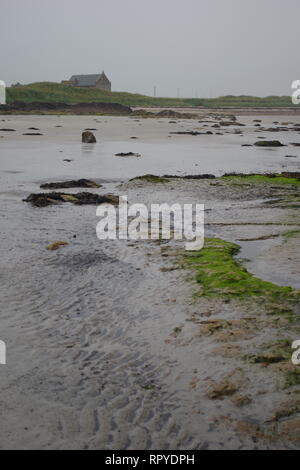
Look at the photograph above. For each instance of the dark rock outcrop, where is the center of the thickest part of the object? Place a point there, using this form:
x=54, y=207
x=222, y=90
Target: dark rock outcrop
x=268, y=143
x=81, y=183
x=128, y=154
x=88, y=138
x=165, y=113
x=56, y=108
x=47, y=199
x=188, y=133
x=32, y=133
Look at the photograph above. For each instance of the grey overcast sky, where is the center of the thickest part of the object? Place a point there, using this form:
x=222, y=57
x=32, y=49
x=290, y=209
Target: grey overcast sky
x=201, y=47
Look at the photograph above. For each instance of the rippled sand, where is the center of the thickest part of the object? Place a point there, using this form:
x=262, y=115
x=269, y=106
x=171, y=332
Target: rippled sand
x=93, y=355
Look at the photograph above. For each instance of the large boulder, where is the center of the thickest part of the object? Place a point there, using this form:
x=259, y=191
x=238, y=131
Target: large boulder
x=88, y=137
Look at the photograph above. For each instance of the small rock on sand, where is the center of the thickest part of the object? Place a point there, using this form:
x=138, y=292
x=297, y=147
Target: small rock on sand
x=32, y=133
x=127, y=154
x=81, y=183
x=268, y=143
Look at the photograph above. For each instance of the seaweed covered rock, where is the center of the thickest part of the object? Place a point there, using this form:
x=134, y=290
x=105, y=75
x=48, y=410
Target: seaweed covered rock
x=81, y=183
x=231, y=123
x=268, y=143
x=47, y=199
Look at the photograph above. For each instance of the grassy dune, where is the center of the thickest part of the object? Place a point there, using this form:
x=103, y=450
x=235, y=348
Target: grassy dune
x=56, y=92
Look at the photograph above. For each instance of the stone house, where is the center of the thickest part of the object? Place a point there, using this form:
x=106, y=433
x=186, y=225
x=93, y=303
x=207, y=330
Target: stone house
x=90, y=81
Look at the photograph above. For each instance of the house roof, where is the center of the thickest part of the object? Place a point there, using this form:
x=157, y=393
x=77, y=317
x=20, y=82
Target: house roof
x=88, y=80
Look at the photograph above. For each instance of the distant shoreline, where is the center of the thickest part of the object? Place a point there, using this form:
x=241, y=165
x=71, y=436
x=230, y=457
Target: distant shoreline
x=116, y=109
x=49, y=92
x=92, y=108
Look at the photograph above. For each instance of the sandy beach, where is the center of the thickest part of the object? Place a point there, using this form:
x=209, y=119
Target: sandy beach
x=110, y=344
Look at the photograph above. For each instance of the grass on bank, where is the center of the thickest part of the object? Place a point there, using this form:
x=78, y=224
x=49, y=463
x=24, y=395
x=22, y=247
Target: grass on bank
x=57, y=92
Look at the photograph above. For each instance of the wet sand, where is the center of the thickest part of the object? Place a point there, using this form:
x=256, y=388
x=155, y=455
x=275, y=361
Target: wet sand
x=42, y=157
x=106, y=344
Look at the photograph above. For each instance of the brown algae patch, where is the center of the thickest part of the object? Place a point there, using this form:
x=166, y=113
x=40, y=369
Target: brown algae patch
x=56, y=245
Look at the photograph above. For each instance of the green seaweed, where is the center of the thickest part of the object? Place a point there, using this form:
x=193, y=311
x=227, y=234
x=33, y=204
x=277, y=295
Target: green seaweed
x=177, y=330
x=149, y=387
x=291, y=234
x=292, y=377
x=277, y=178
x=150, y=179
x=221, y=275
